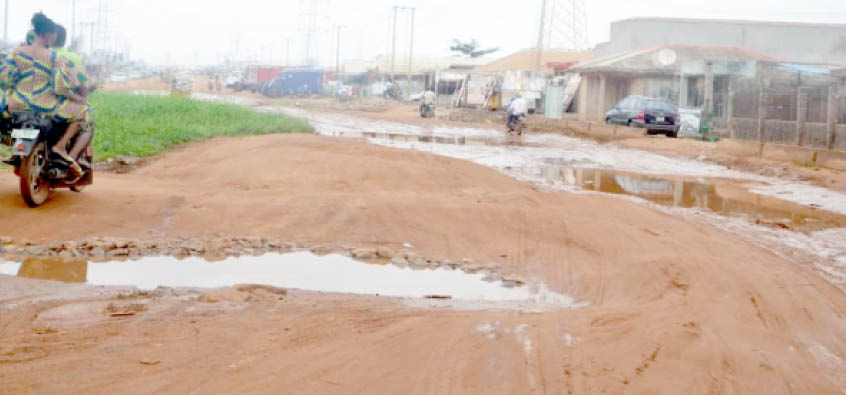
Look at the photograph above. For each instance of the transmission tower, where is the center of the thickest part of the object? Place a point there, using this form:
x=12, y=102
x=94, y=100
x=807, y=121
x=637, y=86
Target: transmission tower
x=311, y=17
x=564, y=24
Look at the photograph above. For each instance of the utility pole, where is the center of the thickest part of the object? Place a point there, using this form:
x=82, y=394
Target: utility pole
x=73, y=22
x=411, y=50
x=6, y=22
x=91, y=32
x=540, y=37
x=287, y=52
x=393, y=47
x=338, y=51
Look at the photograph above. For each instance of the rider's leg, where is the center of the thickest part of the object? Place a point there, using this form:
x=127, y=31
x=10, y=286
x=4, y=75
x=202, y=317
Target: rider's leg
x=81, y=143
x=61, y=147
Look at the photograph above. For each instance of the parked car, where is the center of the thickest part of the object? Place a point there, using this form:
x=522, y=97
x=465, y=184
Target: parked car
x=653, y=114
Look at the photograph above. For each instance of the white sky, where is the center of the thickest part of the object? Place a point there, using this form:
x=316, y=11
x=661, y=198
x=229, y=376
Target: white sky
x=197, y=32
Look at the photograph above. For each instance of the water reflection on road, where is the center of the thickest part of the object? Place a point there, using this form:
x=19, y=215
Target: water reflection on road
x=302, y=270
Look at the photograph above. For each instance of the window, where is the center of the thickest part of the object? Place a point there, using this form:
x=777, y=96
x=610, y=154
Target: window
x=661, y=105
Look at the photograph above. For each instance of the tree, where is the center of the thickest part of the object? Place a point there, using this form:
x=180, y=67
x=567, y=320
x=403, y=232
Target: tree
x=470, y=48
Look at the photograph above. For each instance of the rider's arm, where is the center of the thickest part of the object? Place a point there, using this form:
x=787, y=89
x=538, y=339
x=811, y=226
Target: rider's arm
x=9, y=70
x=65, y=82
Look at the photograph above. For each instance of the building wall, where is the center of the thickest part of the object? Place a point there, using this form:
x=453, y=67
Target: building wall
x=616, y=89
x=805, y=43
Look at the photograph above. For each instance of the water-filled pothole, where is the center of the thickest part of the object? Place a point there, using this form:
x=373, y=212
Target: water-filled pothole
x=724, y=198
x=302, y=270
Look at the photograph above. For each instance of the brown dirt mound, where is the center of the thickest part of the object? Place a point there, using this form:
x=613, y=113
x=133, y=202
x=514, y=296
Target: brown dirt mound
x=677, y=307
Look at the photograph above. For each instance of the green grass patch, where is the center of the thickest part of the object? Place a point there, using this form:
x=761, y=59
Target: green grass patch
x=136, y=125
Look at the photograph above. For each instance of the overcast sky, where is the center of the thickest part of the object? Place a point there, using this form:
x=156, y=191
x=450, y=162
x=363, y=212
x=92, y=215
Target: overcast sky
x=196, y=32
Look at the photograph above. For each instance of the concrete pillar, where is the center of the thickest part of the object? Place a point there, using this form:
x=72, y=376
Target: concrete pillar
x=762, y=111
x=678, y=194
x=831, y=115
x=584, y=97
x=597, y=181
x=683, y=90
x=801, y=113
x=709, y=87
x=730, y=109
x=603, y=85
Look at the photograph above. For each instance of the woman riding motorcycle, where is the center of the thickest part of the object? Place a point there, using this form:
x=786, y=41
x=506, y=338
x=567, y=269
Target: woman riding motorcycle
x=35, y=78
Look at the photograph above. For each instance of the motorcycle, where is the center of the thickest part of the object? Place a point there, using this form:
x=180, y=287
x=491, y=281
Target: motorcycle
x=517, y=124
x=40, y=169
x=427, y=111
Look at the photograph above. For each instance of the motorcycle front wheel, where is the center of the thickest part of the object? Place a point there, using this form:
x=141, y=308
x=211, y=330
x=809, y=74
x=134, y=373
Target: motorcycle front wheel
x=34, y=188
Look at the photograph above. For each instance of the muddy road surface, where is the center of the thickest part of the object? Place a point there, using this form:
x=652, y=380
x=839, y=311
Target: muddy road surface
x=662, y=298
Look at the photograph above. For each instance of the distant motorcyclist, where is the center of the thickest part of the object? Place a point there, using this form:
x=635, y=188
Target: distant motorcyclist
x=517, y=109
x=427, y=103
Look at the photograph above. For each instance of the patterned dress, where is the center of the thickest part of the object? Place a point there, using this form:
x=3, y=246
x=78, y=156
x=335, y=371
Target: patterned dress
x=31, y=84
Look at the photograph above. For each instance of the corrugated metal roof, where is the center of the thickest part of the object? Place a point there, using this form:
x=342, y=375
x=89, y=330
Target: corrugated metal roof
x=643, y=60
x=805, y=69
x=732, y=22
x=525, y=60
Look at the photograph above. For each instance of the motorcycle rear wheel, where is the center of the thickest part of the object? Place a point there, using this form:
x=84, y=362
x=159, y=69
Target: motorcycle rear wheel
x=34, y=189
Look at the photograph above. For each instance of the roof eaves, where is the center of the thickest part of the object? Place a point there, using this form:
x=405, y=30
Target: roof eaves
x=731, y=22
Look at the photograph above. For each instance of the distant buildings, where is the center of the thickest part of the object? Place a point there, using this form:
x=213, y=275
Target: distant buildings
x=810, y=43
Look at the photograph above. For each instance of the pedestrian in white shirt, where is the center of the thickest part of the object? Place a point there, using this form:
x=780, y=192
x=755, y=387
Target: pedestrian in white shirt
x=518, y=107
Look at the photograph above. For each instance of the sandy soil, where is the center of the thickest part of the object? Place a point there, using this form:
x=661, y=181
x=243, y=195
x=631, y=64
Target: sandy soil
x=675, y=306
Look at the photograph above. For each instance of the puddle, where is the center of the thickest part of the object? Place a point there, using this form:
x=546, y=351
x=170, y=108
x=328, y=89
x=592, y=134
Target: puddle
x=433, y=139
x=303, y=271
x=721, y=198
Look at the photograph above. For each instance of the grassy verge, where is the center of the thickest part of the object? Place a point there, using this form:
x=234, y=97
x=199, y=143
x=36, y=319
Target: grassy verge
x=136, y=125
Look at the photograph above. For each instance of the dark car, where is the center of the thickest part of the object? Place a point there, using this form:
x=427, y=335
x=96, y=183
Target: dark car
x=295, y=82
x=654, y=115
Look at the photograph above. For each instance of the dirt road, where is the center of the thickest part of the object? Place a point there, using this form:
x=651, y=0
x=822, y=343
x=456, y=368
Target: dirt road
x=675, y=306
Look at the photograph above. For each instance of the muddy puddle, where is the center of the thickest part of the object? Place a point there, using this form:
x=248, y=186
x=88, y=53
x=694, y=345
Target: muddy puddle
x=407, y=138
x=722, y=198
x=302, y=270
